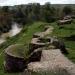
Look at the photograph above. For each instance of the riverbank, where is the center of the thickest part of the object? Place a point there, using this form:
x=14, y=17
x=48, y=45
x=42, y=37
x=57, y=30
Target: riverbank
x=15, y=29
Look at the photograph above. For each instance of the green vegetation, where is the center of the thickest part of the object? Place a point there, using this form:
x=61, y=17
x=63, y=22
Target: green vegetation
x=18, y=50
x=26, y=35
x=23, y=38
x=26, y=15
x=67, y=34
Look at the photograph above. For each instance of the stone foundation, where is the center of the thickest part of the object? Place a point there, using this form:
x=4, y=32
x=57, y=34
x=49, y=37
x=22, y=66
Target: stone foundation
x=13, y=63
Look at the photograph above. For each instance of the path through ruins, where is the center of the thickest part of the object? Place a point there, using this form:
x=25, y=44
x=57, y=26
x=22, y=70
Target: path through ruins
x=52, y=59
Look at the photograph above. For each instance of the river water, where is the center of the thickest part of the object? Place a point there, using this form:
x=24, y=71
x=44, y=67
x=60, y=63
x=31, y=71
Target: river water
x=14, y=31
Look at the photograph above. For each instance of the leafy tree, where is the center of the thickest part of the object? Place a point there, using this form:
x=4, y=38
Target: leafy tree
x=47, y=12
x=67, y=10
x=5, y=9
x=36, y=10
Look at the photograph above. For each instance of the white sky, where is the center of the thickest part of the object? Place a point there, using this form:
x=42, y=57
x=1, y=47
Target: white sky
x=16, y=2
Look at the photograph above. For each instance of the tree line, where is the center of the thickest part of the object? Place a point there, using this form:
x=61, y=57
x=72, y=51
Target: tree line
x=31, y=12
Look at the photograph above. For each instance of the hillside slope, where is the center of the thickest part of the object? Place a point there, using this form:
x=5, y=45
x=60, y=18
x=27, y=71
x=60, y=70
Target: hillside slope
x=24, y=37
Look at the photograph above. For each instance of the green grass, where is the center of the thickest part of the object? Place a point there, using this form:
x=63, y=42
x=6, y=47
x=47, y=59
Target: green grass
x=26, y=35
x=65, y=34
x=19, y=50
x=23, y=38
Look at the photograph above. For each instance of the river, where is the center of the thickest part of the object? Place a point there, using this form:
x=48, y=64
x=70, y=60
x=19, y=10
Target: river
x=14, y=31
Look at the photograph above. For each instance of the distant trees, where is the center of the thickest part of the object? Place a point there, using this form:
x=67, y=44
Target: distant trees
x=5, y=19
x=5, y=22
x=5, y=9
x=47, y=12
x=27, y=13
x=35, y=12
x=31, y=12
x=67, y=10
x=19, y=16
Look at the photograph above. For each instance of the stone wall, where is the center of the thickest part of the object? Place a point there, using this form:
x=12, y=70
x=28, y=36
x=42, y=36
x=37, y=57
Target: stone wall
x=13, y=63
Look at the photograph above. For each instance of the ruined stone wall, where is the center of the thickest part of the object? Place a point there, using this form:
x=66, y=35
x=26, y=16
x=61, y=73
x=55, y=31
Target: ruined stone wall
x=14, y=64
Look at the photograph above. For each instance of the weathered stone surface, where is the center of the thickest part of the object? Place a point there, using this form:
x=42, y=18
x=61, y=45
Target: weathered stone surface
x=45, y=39
x=66, y=20
x=39, y=34
x=35, y=55
x=67, y=17
x=60, y=45
x=39, y=42
x=52, y=60
x=38, y=39
x=48, y=30
x=13, y=62
x=26, y=72
x=35, y=43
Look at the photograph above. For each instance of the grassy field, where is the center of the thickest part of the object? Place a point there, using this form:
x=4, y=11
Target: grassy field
x=67, y=34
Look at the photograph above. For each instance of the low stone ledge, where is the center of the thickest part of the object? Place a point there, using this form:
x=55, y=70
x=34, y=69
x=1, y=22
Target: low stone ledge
x=14, y=62
x=38, y=34
x=61, y=22
x=39, y=42
x=59, y=44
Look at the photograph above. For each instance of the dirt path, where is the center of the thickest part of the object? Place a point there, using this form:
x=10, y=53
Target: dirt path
x=57, y=59
x=49, y=30
x=52, y=59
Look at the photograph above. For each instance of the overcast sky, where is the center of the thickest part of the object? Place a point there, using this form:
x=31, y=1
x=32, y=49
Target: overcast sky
x=16, y=2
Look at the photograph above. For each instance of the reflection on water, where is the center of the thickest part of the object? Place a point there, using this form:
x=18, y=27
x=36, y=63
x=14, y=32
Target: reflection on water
x=14, y=30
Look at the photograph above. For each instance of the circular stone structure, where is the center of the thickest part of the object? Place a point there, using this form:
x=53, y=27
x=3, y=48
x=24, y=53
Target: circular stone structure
x=14, y=58
x=39, y=42
x=38, y=34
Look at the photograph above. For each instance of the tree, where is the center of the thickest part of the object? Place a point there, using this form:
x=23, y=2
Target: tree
x=47, y=12
x=5, y=9
x=67, y=10
x=36, y=10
